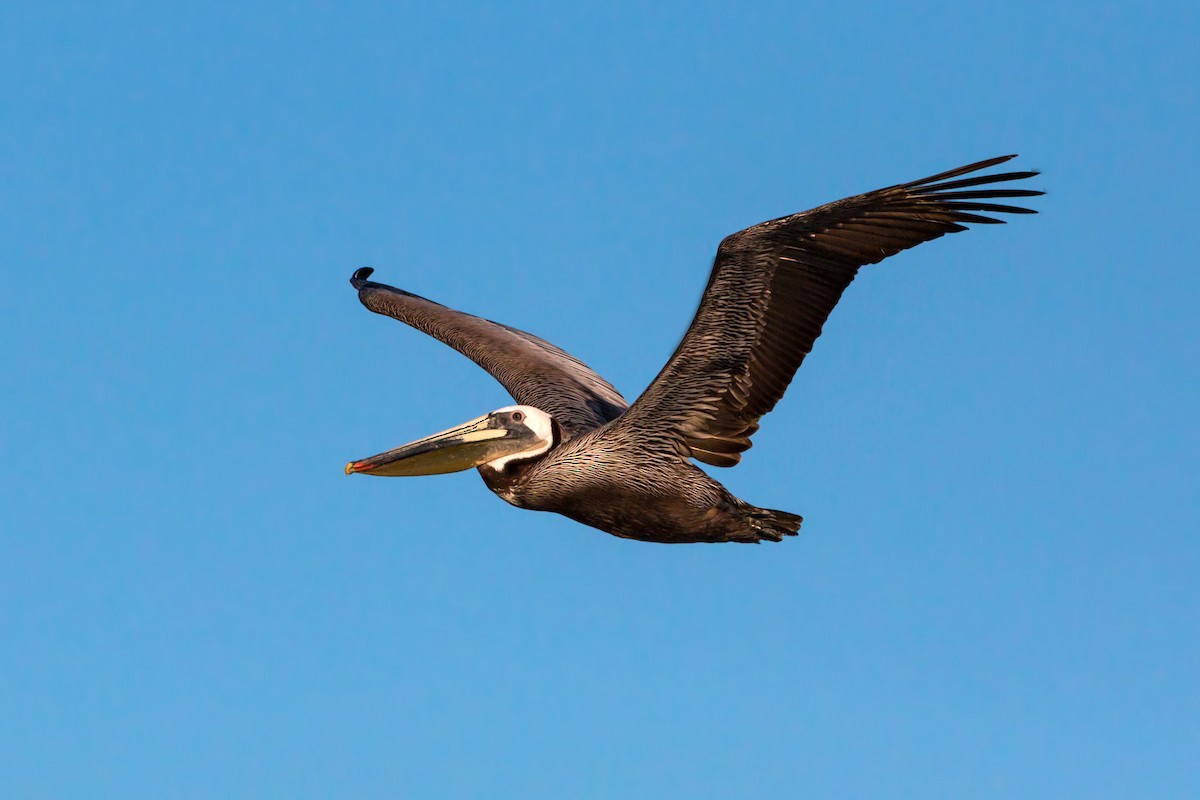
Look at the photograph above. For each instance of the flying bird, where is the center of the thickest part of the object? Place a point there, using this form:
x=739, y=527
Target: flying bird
x=573, y=445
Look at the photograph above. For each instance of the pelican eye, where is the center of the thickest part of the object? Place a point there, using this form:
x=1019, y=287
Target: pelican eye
x=518, y=416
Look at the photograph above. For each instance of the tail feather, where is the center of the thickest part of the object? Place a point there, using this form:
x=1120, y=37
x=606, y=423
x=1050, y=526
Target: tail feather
x=773, y=525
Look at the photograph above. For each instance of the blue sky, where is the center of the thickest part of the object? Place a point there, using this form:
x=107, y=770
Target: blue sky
x=994, y=444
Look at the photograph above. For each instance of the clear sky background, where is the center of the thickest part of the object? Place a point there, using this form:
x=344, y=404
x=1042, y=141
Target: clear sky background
x=995, y=593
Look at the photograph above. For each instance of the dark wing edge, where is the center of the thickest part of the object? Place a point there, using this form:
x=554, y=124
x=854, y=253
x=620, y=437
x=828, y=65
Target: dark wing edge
x=534, y=372
x=773, y=286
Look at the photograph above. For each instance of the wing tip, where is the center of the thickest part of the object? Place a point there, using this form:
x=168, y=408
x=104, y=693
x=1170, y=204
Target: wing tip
x=978, y=166
x=359, y=278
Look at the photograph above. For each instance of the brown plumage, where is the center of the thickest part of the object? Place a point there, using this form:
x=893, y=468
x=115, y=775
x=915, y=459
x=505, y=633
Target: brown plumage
x=628, y=470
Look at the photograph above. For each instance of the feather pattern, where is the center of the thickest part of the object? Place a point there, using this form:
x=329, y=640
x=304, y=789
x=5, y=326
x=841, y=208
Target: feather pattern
x=773, y=286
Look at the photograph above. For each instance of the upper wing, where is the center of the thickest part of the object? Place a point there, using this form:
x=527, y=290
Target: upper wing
x=772, y=288
x=535, y=372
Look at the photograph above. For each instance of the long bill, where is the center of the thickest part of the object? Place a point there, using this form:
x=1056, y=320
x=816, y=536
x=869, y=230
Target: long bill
x=468, y=445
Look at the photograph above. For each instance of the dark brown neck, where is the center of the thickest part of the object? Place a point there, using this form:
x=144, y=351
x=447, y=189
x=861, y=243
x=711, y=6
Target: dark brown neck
x=503, y=481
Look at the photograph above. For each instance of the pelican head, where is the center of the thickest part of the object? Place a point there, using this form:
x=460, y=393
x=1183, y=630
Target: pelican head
x=495, y=439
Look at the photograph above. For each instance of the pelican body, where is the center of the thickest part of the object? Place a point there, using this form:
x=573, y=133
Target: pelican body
x=574, y=446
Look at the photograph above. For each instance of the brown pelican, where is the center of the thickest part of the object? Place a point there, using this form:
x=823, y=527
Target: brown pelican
x=575, y=446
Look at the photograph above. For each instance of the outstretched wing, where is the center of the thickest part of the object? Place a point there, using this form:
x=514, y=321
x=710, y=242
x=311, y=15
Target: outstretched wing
x=772, y=288
x=534, y=372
